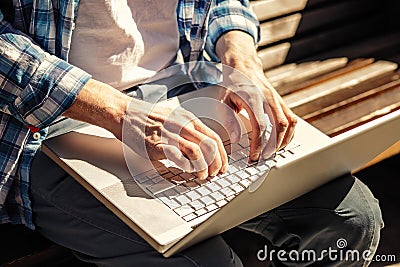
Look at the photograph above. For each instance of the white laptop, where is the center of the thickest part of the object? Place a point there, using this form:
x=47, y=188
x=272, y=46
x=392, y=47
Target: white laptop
x=172, y=218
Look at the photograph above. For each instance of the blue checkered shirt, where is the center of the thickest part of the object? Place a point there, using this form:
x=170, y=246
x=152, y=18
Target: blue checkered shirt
x=37, y=84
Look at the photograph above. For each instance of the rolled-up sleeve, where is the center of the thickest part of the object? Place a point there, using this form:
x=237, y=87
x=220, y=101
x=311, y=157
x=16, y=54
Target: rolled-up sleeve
x=35, y=87
x=228, y=15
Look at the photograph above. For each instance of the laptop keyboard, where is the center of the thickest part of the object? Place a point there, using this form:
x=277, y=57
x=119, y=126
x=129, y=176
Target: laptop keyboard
x=195, y=200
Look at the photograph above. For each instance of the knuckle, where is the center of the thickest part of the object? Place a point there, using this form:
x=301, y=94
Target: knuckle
x=283, y=125
x=215, y=137
x=211, y=144
x=187, y=128
x=293, y=121
x=193, y=151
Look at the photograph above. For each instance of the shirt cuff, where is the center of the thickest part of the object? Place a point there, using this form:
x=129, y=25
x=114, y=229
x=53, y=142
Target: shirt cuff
x=229, y=18
x=58, y=82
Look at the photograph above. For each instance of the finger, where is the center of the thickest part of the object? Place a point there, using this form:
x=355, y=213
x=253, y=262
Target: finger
x=281, y=123
x=292, y=122
x=213, y=158
x=175, y=155
x=208, y=146
x=258, y=123
x=193, y=152
x=190, y=150
x=269, y=141
x=230, y=122
x=220, y=162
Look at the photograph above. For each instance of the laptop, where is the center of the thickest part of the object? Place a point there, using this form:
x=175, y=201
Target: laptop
x=161, y=214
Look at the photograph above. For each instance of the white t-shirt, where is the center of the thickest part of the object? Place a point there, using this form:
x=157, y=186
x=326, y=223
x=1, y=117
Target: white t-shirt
x=124, y=42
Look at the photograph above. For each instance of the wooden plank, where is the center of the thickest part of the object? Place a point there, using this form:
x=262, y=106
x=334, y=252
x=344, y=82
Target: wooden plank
x=339, y=83
x=316, y=3
x=376, y=46
x=334, y=13
x=279, y=29
x=355, y=114
x=305, y=71
x=284, y=75
x=351, y=66
x=274, y=55
x=325, y=104
x=275, y=73
x=330, y=38
x=267, y=9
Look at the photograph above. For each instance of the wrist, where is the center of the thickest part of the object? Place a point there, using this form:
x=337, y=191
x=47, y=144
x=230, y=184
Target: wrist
x=236, y=49
x=101, y=105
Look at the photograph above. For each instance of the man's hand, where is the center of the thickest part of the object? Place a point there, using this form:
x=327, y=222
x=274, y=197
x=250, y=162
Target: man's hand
x=153, y=131
x=159, y=131
x=258, y=97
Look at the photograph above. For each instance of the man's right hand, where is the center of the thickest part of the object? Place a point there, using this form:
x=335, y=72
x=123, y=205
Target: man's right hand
x=158, y=131
x=154, y=131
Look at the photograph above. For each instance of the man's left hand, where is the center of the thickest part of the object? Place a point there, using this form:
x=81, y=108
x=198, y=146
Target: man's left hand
x=254, y=93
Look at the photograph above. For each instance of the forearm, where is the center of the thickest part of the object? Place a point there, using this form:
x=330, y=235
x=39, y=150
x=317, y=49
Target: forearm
x=236, y=49
x=227, y=16
x=102, y=105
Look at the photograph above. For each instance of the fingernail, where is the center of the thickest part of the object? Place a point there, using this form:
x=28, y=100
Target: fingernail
x=203, y=176
x=213, y=174
x=224, y=168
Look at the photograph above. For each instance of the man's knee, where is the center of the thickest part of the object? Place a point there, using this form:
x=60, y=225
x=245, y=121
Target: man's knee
x=352, y=229
x=342, y=215
x=343, y=208
x=362, y=218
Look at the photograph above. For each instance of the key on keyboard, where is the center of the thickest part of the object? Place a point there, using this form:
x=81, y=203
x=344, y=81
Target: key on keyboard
x=195, y=200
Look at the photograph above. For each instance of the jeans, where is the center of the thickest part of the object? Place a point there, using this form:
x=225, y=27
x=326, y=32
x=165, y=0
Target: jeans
x=343, y=210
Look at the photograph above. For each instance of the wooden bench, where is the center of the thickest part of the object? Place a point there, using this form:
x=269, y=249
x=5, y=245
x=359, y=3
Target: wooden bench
x=310, y=49
x=333, y=61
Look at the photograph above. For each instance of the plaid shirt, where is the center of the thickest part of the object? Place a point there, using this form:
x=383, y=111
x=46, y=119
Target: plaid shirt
x=37, y=84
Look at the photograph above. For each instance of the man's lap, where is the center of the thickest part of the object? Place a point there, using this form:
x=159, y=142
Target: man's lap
x=67, y=214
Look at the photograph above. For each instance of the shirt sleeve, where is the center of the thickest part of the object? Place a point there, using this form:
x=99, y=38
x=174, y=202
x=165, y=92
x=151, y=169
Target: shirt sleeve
x=228, y=15
x=35, y=87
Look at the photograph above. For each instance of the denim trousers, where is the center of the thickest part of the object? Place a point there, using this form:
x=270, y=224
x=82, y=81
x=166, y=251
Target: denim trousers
x=343, y=210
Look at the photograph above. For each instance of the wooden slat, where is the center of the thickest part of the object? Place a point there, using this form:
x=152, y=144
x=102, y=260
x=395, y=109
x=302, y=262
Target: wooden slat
x=279, y=29
x=340, y=83
x=354, y=114
x=306, y=71
x=333, y=37
x=276, y=73
x=284, y=75
x=274, y=55
x=353, y=65
x=375, y=46
x=267, y=9
x=325, y=104
x=335, y=13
